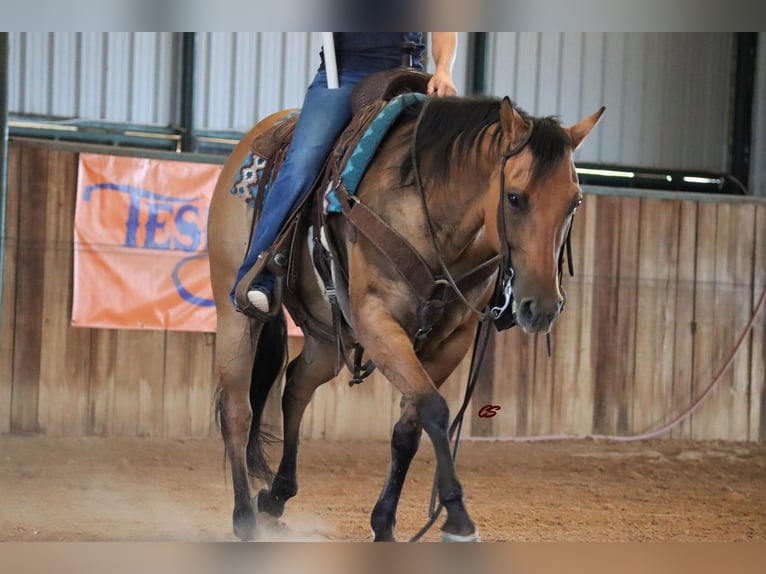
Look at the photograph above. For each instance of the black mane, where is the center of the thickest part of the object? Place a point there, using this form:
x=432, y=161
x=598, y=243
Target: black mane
x=455, y=127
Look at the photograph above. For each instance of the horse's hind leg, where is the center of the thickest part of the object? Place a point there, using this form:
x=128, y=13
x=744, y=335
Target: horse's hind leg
x=234, y=355
x=404, y=444
x=314, y=366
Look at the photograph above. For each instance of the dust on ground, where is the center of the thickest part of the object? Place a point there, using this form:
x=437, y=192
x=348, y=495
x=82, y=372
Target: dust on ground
x=144, y=489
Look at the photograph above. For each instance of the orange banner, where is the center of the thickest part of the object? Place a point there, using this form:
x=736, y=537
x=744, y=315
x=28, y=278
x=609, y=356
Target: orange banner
x=140, y=257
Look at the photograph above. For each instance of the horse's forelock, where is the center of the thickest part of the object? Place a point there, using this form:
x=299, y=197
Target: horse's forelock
x=549, y=144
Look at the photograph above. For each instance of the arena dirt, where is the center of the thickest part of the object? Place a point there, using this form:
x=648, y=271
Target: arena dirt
x=142, y=489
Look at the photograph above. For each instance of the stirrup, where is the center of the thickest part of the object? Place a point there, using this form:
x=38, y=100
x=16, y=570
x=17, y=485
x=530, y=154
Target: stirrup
x=243, y=304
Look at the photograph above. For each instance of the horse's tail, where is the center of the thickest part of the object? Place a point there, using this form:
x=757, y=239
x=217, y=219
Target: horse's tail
x=270, y=355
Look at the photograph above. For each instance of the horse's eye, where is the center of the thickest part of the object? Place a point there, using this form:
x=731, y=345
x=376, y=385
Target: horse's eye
x=514, y=199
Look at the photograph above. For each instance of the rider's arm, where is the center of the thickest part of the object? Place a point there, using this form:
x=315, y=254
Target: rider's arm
x=443, y=50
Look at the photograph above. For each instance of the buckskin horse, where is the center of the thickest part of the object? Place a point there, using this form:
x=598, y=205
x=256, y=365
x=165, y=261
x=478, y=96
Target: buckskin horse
x=475, y=195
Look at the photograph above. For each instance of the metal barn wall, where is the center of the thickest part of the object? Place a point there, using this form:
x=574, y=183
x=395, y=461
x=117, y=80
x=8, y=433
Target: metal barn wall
x=667, y=94
x=130, y=77
x=245, y=76
x=134, y=77
x=758, y=154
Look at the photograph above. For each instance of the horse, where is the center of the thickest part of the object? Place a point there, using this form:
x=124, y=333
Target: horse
x=468, y=183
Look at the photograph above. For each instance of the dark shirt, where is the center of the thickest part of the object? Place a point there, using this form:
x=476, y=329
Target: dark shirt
x=374, y=51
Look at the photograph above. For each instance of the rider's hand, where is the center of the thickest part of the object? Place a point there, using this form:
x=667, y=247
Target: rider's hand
x=441, y=84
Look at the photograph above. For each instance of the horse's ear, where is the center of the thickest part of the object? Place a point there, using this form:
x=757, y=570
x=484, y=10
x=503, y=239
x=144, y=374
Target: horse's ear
x=514, y=126
x=579, y=131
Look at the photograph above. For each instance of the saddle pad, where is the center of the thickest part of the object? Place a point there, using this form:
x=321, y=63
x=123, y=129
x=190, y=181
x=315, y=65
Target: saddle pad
x=249, y=174
x=360, y=158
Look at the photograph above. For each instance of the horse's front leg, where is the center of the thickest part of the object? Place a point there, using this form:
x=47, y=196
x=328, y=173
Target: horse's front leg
x=406, y=436
x=404, y=444
x=314, y=366
x=390, y=348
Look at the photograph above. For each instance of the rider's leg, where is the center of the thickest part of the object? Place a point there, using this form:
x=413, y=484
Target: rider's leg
x=324, y=114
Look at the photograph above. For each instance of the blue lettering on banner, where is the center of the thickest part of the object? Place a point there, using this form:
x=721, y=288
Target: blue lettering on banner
x=185, y=294
x=186, y=235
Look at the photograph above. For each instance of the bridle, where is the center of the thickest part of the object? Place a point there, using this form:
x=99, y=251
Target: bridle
x=505, y=277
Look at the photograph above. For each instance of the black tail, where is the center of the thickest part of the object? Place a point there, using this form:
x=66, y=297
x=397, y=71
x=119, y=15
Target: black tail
x=270, y=355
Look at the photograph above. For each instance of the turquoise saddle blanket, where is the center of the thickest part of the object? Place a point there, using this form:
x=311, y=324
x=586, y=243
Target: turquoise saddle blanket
x=248, y=176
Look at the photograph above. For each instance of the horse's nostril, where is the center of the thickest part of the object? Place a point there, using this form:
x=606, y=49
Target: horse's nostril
x=525, y=309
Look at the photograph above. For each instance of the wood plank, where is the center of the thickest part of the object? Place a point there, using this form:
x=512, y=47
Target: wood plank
x=137, y=403
x=511, y=383
x=103, y=372
x=29, y=291
x=713, y=414
x=566, y=342
x=683, y=347
x=482, y=395
x=627, y=309
x=704, y=310
x=77, y=360
x=179, y=369
x=580, y=402
x=544, y=420
x=656, y=306
x=202, y=388
x=740, y=253
x=8, y=310
x=757, y=411
x=64, y=364
x=604, y=333
x=567, y=353
x=188, y=390
x=151, y=377
x=717, y=408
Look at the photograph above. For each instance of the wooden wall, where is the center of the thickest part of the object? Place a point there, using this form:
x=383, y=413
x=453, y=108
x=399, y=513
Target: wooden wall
x=664, y=285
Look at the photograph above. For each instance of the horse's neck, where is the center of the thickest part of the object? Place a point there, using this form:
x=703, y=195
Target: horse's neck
x=457, y=207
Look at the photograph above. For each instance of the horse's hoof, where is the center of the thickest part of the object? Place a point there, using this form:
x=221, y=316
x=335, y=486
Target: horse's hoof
x=449, y=537
x=244, y=524
x=383, y=537
x=266, y=502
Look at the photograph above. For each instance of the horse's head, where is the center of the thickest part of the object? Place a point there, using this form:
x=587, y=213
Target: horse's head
x=539, y=194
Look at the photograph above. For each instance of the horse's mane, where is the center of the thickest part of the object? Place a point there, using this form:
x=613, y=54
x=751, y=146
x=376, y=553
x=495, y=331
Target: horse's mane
x=456, y=127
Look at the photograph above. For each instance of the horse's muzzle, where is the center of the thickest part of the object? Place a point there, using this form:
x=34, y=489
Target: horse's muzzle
x=535, y=317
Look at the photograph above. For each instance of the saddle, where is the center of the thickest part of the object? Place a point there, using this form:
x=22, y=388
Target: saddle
x=368, y=98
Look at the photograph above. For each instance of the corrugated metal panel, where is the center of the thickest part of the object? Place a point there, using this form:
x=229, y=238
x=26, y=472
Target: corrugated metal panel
x=115, y=76
x=667, y=95
x=247, y=76
x=758, y=153
x=133, y=76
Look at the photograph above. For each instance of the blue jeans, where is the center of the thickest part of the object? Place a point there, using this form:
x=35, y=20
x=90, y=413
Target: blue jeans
x=323, y=116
